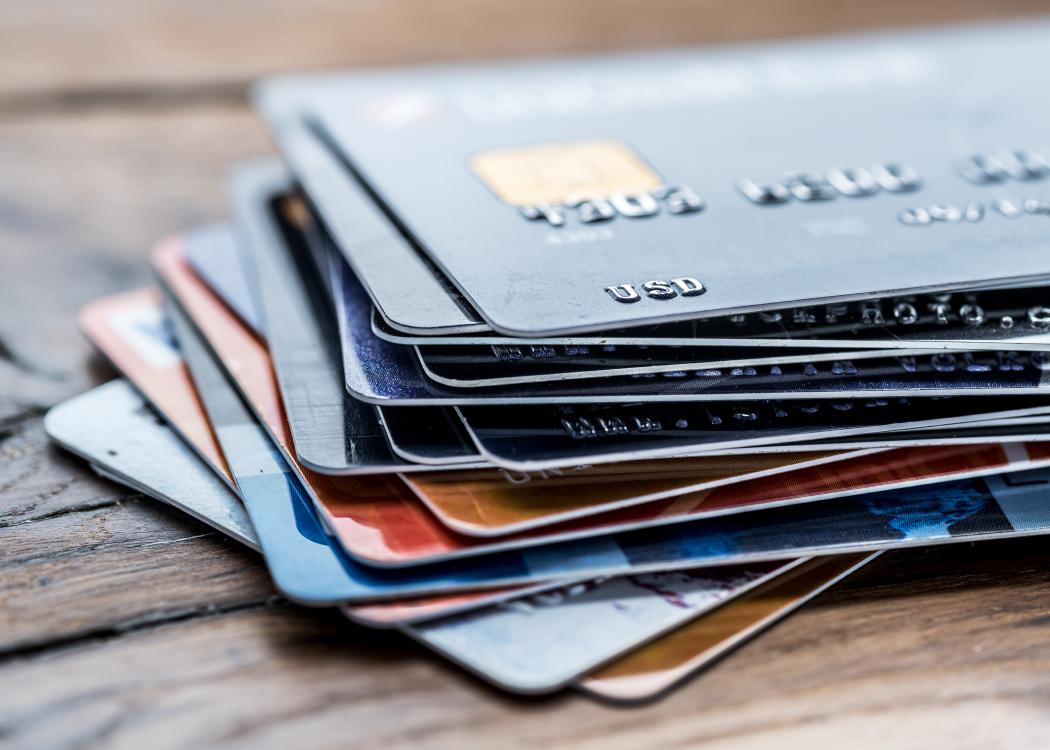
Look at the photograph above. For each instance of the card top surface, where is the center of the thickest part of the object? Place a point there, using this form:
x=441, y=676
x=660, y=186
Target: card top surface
x=386, y=262
x=784, y=173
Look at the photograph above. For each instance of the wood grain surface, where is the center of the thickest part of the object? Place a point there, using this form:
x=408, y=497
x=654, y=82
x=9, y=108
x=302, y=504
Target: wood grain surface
x=125, y=624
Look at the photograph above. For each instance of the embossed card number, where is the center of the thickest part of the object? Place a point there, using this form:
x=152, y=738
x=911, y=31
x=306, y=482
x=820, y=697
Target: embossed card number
x=593, y=181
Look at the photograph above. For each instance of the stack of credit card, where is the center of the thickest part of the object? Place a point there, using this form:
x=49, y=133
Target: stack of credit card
x=581, y=372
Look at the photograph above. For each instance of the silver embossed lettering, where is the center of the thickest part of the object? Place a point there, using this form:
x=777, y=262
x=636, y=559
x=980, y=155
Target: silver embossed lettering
x=688, y=286
x=635, y=205
x=765, y=194
x=625, y=293
x=659, y=290
x=854, y=182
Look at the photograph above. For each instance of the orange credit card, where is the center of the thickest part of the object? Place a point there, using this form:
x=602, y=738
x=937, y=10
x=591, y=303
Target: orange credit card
x=490, y=504
x=130, y=330
x=667, y=662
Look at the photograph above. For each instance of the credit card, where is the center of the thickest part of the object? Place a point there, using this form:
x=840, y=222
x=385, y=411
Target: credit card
x=113, y=427
x=484, y=506
x=654, y=669
x=332, y=432
x=997, y=506
x=431, y=439
x=131, y=332
x=247, y=360
x=533, y=603
x=432, y=435
x=1022, y=429
x=574, y=550
x=1014, y=317
x=377, y=522
x=392, y=265
x=597, y=178
x=379, y=372
x=378, y=615
x=381, y=614
x=428, y=436
x=466, y=366
x=117, y=406
x=547, y=437
x=441, y=447
x=488, y=503
x=540, y=643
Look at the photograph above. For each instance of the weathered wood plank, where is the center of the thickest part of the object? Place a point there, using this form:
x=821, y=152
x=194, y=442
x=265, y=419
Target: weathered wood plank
x=910, y=653
x=126, y=49
x=38, y=480
x=79, y=224
x=76, y=574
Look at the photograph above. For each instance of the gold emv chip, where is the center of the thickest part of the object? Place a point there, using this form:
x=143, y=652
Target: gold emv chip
x=563, y=173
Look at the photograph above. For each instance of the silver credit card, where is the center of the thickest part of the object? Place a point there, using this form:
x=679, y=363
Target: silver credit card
x=388, y=264
x=333, y=433
x=112, y=427
x=593, y=193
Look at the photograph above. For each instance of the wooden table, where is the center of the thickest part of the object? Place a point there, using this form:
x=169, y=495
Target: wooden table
x=124, y=624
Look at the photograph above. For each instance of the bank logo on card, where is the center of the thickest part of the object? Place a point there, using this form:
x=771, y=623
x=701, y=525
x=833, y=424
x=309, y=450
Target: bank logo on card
x=585, y=182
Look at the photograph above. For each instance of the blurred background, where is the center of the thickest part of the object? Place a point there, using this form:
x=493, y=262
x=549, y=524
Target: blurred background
x=118, y=118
